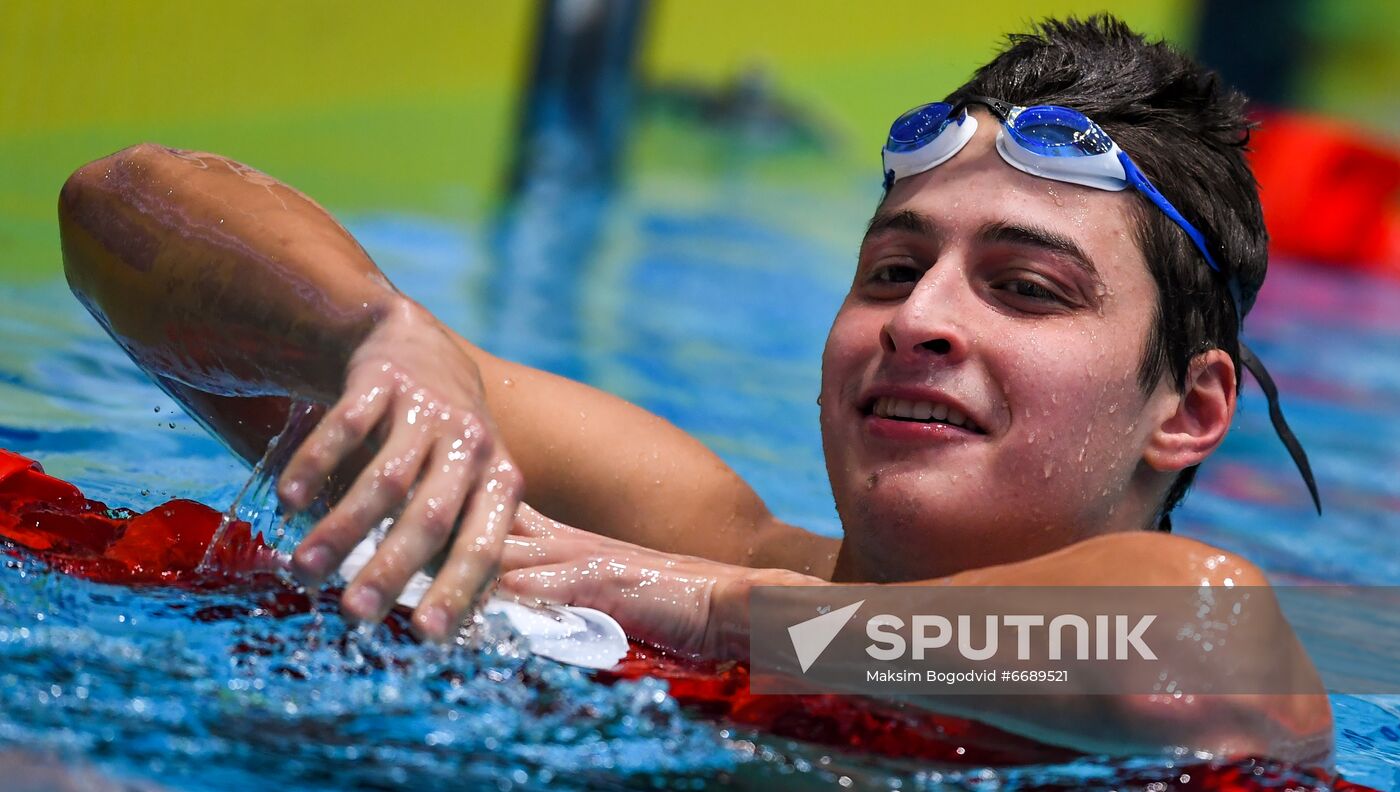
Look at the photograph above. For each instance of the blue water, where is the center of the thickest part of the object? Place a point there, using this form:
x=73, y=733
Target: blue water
x=705, y=303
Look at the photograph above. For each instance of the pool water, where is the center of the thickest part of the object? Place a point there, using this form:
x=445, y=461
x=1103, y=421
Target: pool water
x=706, y=302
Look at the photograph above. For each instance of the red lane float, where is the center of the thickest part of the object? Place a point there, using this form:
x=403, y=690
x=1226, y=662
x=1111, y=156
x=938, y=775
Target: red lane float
x=52, y=520
x=1331, y=194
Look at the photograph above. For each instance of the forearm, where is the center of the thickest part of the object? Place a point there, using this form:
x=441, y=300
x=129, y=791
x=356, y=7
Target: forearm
x=224, y=283
x=597, y=462
x=217, y=276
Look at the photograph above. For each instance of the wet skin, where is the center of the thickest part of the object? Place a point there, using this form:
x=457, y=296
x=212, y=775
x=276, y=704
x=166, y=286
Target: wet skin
x=1024, y=304
x=226, y=284
x=235, y=292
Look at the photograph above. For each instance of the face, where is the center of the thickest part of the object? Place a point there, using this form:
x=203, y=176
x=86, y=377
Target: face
x=980, y=395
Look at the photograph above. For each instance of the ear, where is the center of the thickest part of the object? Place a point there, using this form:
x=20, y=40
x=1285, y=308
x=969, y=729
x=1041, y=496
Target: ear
x=1198, y=417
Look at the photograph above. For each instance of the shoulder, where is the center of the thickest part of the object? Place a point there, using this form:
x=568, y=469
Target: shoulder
x=1143, y=558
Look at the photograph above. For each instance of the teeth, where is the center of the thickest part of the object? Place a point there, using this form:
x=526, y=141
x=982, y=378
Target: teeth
x=956, y=418
x=887, y=407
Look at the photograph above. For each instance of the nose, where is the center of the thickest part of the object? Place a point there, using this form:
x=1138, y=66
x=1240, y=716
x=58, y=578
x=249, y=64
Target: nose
x=927, y=325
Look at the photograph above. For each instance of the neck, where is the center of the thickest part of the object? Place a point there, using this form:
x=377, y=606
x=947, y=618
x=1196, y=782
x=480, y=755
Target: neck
x=871, y=555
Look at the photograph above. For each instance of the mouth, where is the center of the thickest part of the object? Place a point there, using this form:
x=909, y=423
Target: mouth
x=928, y=413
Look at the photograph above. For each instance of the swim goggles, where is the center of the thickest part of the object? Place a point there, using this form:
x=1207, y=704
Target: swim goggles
x=1063, y=144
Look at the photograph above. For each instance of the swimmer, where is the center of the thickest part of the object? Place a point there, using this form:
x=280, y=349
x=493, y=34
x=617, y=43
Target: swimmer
x=1035, y=356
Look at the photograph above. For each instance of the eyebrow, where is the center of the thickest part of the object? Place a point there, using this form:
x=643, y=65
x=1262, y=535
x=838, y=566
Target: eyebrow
x=1041, y=238
x=995, y=232
x=904, y=220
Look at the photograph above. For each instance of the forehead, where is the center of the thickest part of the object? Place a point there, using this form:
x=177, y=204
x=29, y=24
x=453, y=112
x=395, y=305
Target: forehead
x=977, y=188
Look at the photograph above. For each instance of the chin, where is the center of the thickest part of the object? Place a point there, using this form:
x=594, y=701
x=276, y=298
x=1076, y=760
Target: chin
x=910, y=524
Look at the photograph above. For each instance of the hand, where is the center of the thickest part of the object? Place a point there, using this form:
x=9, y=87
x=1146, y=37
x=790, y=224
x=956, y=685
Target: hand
x=439, y=469
x=688, y=604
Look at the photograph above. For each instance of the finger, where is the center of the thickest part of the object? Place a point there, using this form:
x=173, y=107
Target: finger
x=382, y=485
x=559, y=583
x=530, y=523
x=420, y=532
x=472, y=562
x=523, y=553
x=343, y=429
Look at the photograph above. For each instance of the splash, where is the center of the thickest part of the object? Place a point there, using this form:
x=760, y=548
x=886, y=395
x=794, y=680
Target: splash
x=256, y=503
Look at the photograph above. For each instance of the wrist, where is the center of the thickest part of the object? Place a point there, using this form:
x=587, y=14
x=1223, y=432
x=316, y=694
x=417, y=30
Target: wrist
x=728, y=632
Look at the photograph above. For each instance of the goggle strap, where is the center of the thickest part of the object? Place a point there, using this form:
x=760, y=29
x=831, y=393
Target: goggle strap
x=1295, y=449
x=1002, y=110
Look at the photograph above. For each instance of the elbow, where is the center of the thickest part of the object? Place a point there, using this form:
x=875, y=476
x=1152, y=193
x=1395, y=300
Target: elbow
x=1286, y=727
x=101, y=231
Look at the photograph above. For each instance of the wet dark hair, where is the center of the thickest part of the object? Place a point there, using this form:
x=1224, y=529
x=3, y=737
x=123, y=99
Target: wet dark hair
x=1187, y=131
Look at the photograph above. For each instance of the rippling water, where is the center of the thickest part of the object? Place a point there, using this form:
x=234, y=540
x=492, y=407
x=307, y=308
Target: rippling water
x=708, y=308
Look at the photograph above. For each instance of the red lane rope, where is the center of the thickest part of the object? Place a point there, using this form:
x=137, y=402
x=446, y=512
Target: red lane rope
x=51, y=519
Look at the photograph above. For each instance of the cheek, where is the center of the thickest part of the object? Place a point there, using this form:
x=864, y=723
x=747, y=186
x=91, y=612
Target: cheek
x=1074, y=401
x=852, y=342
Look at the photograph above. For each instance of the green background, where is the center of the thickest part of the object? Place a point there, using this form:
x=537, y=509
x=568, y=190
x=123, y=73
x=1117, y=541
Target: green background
x=410, y=106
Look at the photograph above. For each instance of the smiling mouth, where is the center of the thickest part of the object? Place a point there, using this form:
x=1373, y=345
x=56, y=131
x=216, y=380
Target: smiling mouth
x=924, y=412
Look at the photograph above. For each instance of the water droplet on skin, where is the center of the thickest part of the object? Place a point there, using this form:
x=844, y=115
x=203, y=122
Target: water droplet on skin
x=1049, y=469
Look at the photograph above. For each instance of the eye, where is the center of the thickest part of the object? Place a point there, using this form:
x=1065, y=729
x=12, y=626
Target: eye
x=1033, y=292
x=1030, y=289
x=890, y=279
x=895, y=274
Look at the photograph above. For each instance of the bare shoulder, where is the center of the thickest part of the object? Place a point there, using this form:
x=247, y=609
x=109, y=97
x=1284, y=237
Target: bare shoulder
x=1143, y=558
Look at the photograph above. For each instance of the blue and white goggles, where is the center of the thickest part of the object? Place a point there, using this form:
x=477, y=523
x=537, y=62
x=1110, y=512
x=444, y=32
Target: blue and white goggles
x=1045, y=140
x=1063, y=144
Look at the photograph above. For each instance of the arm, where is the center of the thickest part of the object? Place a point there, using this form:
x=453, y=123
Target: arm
x=700, y=607
x=236, y=293
x=227, y=285
x=626, y=473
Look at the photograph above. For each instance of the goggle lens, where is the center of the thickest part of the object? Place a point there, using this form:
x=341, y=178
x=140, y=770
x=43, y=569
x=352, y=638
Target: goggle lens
x=918, y=126
x=1058, y=132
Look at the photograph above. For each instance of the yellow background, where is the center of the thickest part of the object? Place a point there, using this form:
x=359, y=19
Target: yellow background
x=410, y=105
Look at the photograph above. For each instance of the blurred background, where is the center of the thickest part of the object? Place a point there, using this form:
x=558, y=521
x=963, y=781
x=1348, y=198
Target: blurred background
x=418, y=105
x=660, y=198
